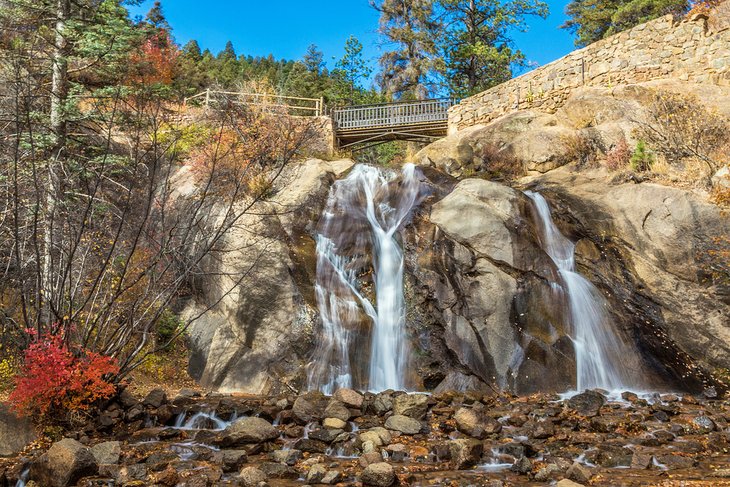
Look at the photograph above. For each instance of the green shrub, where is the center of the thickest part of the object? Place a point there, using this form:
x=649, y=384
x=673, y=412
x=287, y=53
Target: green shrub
x=168, y=325
x=642, y=158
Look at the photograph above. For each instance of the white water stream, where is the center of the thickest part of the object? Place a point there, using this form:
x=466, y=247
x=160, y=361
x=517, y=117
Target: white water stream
x=599, y=353
x=364, y=210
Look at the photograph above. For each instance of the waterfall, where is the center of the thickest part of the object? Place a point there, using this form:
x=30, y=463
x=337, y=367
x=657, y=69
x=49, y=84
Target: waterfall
x=600, y=354
x=364, y=211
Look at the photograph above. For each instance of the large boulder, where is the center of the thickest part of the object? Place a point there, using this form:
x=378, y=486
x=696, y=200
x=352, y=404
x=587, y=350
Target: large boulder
x=657, y=248
x=248, y=430
x=259, y=335
x=64, y=464
x=484, y=279
x=15, y=432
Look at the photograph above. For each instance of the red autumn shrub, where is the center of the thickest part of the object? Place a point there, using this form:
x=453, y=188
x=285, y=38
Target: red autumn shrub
x=53, y=379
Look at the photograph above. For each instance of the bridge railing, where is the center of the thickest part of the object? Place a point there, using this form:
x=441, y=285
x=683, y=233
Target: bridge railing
x=292, y=105
x=392, y=114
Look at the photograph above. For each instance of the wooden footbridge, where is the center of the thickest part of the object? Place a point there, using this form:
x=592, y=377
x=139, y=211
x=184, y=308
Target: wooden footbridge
x=369, y=125
x=355, y=127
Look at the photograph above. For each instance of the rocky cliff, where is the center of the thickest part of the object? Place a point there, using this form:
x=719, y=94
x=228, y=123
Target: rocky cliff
x=483, y=307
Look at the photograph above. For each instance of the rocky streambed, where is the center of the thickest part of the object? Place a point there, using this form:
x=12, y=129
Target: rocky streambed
x=390, y=438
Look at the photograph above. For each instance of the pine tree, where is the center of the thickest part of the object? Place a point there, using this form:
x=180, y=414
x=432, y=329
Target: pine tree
x=156, y=17
x=593, y=20
x=352, y=67
x=476, y=44
x=407, y=71
x=313, y=59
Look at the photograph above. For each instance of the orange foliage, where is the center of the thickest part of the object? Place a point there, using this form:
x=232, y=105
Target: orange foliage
x=54, y=379
x=155, y=63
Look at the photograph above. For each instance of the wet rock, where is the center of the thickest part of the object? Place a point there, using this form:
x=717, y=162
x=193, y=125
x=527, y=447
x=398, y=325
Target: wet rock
x=404, y=424
x=132, y=473
x=377, y=436
x=288, y=457
x=587, y=403
x=641, y=460
x=107, y=452
x=541, y=429
x=316, y=473
x=336, y=409
x=309, y=407
x=278, y=470
x=465, y=453
x=251, y=477
x=397, y=452
x=378, y=475
x=160, y=460
x=674, y=462
x=331, y=477
x=547, y=472
x=412, y=405
x=233, y=460
x=578, y=473
x=610, y=456
x=310, y=446
x=703, y=424
x=325, y=435
x=522, y=466
x=349, y=398
x=155, y=398
x=710, y=393
x=63, y=464
x=15, y=432
x=382, y=403
x=248, y=430
x=471, y=422
x=369, y=458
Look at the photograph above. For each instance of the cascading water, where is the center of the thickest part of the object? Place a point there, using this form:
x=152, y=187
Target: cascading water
x=600, y=354
x=364, y=211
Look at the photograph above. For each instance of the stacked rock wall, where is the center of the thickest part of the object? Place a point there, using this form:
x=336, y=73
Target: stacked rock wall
x=696, y=49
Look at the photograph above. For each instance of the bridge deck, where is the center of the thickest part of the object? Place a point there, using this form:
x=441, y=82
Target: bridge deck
x=372, y=124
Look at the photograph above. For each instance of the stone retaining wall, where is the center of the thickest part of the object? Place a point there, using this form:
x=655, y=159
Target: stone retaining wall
x=695, y=49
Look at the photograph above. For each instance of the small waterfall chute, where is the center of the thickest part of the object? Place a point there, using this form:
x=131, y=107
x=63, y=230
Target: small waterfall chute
x=364, y=211
x=600, y=354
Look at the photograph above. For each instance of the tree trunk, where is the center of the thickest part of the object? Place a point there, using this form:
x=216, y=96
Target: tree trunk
x=59, y=96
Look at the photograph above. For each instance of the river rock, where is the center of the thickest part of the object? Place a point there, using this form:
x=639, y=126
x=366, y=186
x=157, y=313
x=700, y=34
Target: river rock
x=404, y=424
x=465, y=453
x=578, y=473
x=316, y=473
x=412, y=405
x=587, y=403
x=155, y=398
x=15, y=432
x=289, y=457
x=107, y=452
x=334, y=423
x=336, y=409
x=471, y=422
x=233, y=460
x=568, y=483
x=251, y=477
x=378, y=475
x=248, y=430
x=64, y=464
x=309, y=407
x=349, y=398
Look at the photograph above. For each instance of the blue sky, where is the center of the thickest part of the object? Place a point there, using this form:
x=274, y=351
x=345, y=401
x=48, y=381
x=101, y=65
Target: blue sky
x=285, y=28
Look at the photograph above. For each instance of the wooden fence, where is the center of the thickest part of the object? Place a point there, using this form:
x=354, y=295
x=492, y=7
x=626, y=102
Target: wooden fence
x=289, y=104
